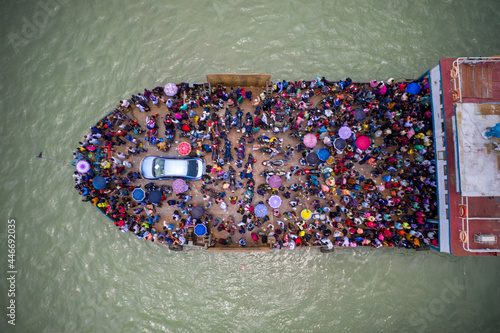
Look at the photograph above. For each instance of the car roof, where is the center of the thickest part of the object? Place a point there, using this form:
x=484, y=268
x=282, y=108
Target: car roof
x=175, y=167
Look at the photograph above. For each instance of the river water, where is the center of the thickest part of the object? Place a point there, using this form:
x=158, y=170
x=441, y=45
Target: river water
x=66, y=63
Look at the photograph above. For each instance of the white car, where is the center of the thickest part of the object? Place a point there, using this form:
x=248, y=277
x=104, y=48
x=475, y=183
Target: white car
x=162, y=167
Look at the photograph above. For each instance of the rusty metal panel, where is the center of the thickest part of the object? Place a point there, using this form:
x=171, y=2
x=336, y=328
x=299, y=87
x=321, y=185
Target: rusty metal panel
x=239, y=80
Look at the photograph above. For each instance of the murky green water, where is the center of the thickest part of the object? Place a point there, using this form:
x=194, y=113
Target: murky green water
x=75, y=273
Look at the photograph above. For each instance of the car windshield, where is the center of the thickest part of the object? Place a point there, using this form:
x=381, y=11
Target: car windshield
x=192, y=169
x=158, y=167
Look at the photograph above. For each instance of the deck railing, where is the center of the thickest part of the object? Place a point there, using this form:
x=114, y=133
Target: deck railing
x=456, y=72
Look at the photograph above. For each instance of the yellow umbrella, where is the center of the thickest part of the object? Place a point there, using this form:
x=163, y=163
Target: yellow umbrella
x=306, y=214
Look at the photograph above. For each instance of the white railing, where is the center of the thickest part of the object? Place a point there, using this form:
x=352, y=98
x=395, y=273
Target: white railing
x=465, y=228
x=455, y=71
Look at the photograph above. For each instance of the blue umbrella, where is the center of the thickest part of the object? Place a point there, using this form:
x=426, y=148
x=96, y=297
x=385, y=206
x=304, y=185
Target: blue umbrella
x=138, y=194
x=323, y=154
x=312, y=158
x=413, y=88
x=197, y=212
x=200, y=230
x=359, y=114
x=260, y=210
x=154, y=196
x=339, y=144
x=99, y=183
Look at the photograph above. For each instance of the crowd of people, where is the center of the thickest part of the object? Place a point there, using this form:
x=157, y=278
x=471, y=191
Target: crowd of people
x=380, y=195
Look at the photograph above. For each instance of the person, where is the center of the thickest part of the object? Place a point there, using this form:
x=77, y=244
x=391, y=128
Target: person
x=242, y=242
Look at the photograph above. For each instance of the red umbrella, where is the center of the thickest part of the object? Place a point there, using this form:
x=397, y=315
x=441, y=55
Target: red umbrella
x=274, y=181
x=310, y=140
x=184, y=148
x=363, y=142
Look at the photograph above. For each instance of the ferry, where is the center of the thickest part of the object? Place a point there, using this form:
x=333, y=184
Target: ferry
x=233, y=208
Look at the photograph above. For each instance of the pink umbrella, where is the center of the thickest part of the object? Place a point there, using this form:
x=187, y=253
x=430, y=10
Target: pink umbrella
x=274, y=181
x=274, y=201
x=383, y=90
x=345, y=132
x=310, y=140
x=184, y=148
x=170, y=89
x=179, y=186
x=363, y=142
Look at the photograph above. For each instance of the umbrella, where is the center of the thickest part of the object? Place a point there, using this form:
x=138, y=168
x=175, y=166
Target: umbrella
x=170, y=89
x=154, y=196
x=99, y=183
x=413, y=88
x=323, y=154
x=260, y=210
x=306, y=214
x=363, y=142
x=138, y=194
x=179, y=186
x=248, y=194
x=274, y=181
x=82, y=166
x=200, y=230
x=327, y=172
x=274, y=201
x=197, y=212
x=345, y=132
x=359, y=114
x=312, y=158
x=330, y=181
x=184, y=148
x=339, y=144
x=310, y=140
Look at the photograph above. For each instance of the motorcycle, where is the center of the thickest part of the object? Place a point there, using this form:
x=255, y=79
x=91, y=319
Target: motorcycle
x=239, y=120
x=307, y=171
x=229, y=118
x=266, y=150
x=275, y=163
x=278, y=172
x=215, y=151
x=232, y=178
x=227, y=152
